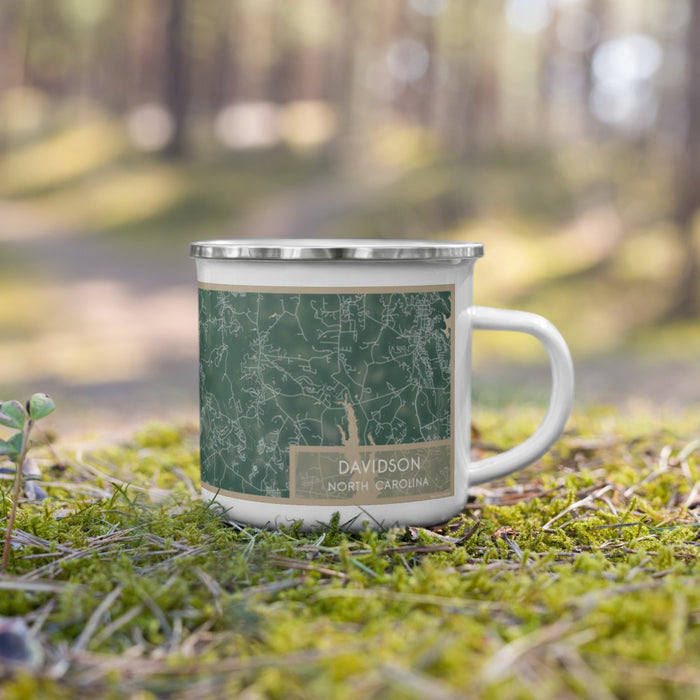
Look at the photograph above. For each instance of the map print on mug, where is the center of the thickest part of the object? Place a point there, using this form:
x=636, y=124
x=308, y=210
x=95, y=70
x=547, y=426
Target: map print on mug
x=355, y=386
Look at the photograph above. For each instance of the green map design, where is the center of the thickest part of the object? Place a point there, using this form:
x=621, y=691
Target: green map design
x=317, y=369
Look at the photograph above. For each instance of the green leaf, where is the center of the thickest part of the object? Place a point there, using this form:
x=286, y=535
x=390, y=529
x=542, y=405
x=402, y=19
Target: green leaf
x=12, y=414
x=40, y=405
x=11, y=448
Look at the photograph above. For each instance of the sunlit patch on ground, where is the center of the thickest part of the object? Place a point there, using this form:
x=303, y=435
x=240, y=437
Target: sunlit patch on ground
x=60, y=158
x=117, y=198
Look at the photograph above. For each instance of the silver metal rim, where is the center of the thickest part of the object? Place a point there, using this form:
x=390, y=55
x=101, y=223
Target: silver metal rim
x=335, y=249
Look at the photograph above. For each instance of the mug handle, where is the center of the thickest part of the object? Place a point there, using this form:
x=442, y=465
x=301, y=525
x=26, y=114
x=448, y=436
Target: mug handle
x=560, y=400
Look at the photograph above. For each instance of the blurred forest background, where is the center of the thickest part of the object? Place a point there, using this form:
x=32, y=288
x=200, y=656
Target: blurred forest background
x=564, y=134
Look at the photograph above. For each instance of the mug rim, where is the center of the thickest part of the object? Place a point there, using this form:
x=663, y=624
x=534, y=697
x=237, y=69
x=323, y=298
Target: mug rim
x=325, y=249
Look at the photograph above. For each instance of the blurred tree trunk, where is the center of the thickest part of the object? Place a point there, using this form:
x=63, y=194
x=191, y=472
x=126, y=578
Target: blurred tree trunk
x=473, y=118
x=281, y=73
x=687, y=303
x=13, y=44
x=601, y=11
x=430, y=80
x=341, y=78
x=175, y=74
x=225, y=69
x=458, y=121
x=144, y=52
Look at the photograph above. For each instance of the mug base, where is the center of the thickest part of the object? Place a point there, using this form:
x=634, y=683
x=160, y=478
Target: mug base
x=351, y=518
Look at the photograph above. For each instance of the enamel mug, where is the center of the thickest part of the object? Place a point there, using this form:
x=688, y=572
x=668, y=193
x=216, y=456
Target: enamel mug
x=335, y=377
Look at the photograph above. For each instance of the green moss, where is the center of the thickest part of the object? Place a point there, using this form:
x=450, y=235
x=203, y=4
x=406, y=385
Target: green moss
x=579, y=572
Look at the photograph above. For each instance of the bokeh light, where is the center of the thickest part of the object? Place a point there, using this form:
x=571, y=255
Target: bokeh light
x=248, y=125
x=630, y=58
x=529, y=16
x=623, y=69
x=408, y=60
x=429, y=8
x=149, y=126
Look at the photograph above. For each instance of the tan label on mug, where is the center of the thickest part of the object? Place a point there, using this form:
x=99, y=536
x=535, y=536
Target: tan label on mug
x=364, y=475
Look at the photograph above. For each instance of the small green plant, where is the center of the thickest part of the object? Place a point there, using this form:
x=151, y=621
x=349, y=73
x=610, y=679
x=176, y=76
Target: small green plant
x=21, y=418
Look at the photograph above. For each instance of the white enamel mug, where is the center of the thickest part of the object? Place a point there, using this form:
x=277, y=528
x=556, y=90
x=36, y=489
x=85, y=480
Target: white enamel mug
x=335, y=377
